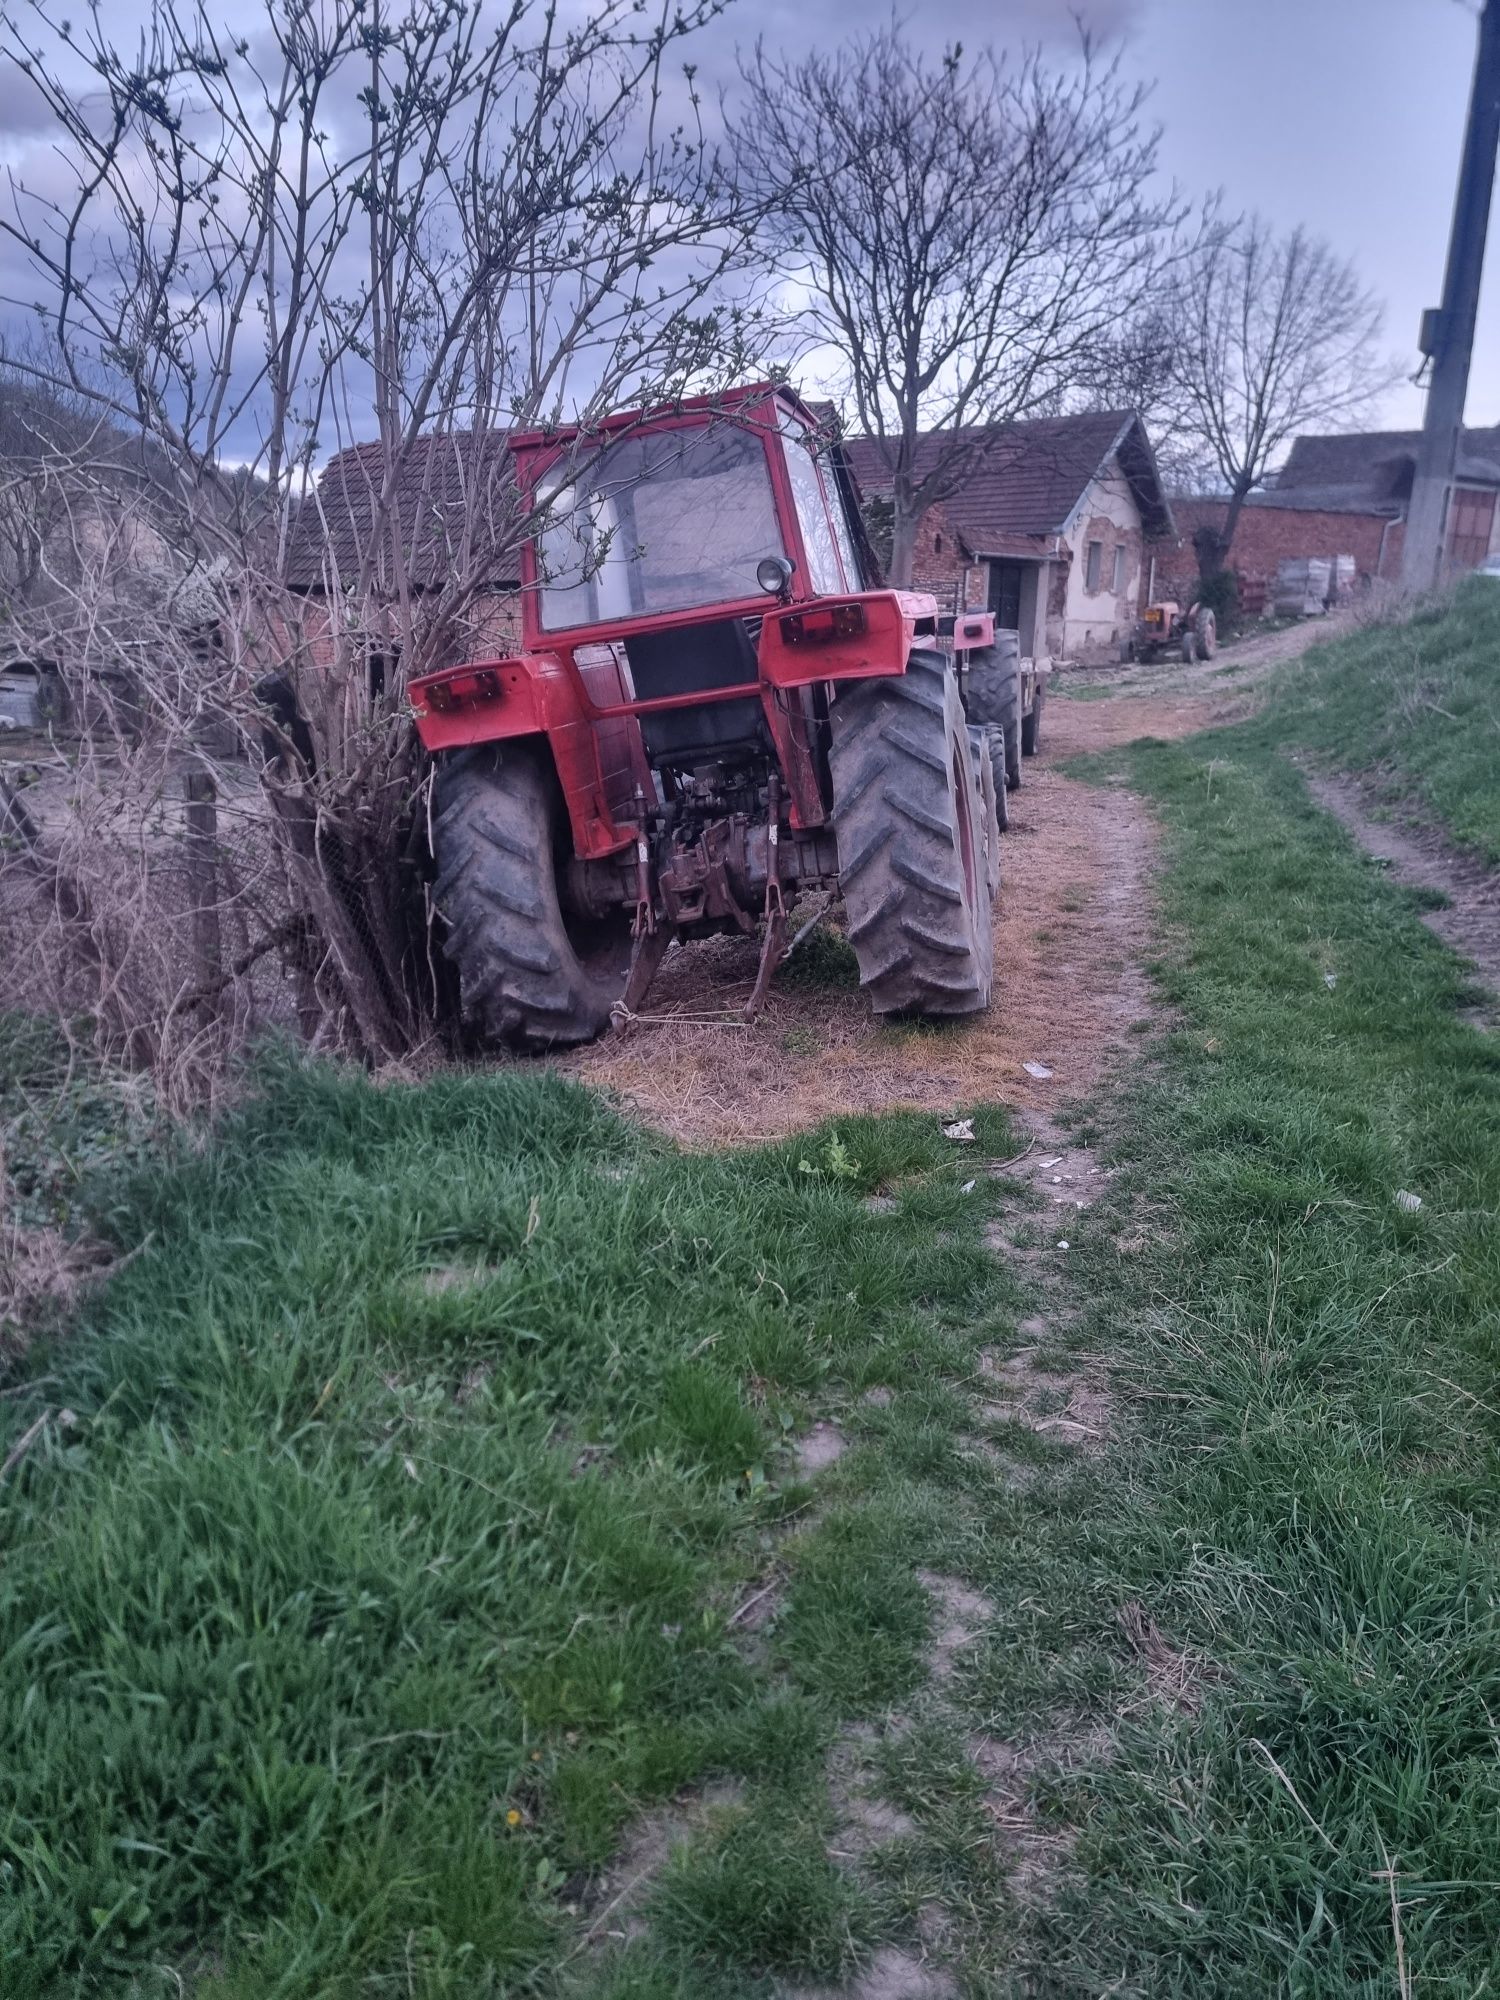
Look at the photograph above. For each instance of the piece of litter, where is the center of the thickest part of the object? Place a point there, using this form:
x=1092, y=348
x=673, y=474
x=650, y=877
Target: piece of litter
x=1330, y=980
x=967, y=1188
x=1036, y=1069
x=1055, y=1161
x=1408, y=1201
x=1063, y=1244
x=1057, y=1180
x=962, y=1130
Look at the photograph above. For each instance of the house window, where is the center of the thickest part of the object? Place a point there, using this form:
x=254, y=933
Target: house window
x=1092, y=562
x=1117, y=583
x=937, y=545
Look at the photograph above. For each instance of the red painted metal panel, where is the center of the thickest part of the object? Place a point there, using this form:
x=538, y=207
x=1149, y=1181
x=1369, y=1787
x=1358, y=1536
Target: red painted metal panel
x=882, y=648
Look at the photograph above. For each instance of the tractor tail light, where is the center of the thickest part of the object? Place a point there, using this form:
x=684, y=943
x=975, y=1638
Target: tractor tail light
x=469, y=684
x=823, y=625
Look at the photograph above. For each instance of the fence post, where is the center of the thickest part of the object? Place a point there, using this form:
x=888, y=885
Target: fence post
x=203, y=883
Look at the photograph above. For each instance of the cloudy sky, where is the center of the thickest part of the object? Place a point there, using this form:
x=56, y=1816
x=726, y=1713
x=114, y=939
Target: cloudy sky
x=1345, y=115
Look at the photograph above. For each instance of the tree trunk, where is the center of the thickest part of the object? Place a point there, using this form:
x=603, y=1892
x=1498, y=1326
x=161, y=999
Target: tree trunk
x=1209, y=548
x=904, y=527
x=202, y=852
x=1212, y=545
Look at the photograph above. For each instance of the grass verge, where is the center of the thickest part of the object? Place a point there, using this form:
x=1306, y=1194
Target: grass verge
x=1294, y=1781
x=392, y=1571
x=386, y=1560
x=1414, y=703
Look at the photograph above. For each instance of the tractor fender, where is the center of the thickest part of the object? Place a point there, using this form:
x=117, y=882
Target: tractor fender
x=535, y=694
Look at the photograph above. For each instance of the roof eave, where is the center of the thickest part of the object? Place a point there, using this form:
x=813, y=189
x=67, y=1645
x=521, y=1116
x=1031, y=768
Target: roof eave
x=1159, y=504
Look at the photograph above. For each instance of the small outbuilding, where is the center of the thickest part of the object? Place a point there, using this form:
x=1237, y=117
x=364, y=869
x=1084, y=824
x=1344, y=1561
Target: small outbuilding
x=1052, y=524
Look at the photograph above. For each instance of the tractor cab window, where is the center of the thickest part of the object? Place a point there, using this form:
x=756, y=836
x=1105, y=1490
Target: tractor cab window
x=825, y=532
x=833, y=493
x=665, y=522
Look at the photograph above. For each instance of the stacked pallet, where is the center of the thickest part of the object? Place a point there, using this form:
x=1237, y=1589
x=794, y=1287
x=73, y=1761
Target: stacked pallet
x=1303, y=584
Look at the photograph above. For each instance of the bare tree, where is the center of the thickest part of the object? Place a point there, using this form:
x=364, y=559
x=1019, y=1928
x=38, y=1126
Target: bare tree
x=956, y=237
x=341, y=224
x=1133, y=367
x=1277, y=334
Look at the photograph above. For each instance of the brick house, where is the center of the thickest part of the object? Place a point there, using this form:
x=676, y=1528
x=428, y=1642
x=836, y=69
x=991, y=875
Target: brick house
x=1053, y=528
x=455, y=507
x=1345, y=495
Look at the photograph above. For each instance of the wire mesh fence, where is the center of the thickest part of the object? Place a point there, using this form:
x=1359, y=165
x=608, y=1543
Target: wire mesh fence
x=144, y=894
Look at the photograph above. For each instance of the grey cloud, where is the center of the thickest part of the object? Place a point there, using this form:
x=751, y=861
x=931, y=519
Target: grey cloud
x=1003, y=25
x=23, y=113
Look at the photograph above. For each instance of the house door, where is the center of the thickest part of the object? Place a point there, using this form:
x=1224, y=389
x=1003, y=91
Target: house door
x=1471, y=521
x=1005, y=595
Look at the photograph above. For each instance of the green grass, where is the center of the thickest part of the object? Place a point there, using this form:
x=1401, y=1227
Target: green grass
x=1415, y=703
x=1071, y=690
x=67, y=1128
x=1308, y=1500
x=824, y=959
x=424, y=1455
x=766, y=1892
x=387, y=1567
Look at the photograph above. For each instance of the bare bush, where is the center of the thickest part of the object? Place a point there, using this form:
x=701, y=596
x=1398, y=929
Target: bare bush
x=344, y=226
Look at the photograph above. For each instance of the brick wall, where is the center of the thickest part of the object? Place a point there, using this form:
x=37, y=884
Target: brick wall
x=494, y=631
x=495, y=625
x=938, y=562
x=1265, y=535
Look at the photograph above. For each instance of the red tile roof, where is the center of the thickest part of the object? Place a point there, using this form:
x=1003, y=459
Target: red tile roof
x=1023, y=480
x=1369, y=468
x=455, y=492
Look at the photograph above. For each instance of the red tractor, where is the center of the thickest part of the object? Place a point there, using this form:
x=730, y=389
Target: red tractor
x=710, y=714
x=1165, y=627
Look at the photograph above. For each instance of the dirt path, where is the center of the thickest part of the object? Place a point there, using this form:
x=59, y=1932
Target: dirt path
x=1423, y=859
x=1072, y=930
x=1073, y=913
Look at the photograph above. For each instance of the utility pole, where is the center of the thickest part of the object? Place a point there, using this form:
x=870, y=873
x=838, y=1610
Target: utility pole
x=1447, y=337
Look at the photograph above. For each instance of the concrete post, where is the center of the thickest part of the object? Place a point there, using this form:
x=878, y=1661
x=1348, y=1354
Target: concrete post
x=1448, y=333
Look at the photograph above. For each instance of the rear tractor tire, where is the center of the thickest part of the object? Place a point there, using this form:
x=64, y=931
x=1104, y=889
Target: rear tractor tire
x=912, y=840
x=1031, y=725
x=1207, y=634
x=991, y=806
x=993, y=740
x=529, y=973
x=993, y=699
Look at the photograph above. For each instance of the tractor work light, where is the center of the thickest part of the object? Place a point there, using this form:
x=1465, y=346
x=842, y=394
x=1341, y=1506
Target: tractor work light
x=823, y=625
x=773, y=574
x=473, y=685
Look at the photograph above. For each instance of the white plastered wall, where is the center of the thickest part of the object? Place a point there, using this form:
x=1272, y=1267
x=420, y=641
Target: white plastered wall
x=1094, y=622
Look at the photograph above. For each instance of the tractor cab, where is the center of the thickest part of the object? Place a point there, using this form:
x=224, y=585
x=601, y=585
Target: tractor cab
x=662, y=545
x=712, y=509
